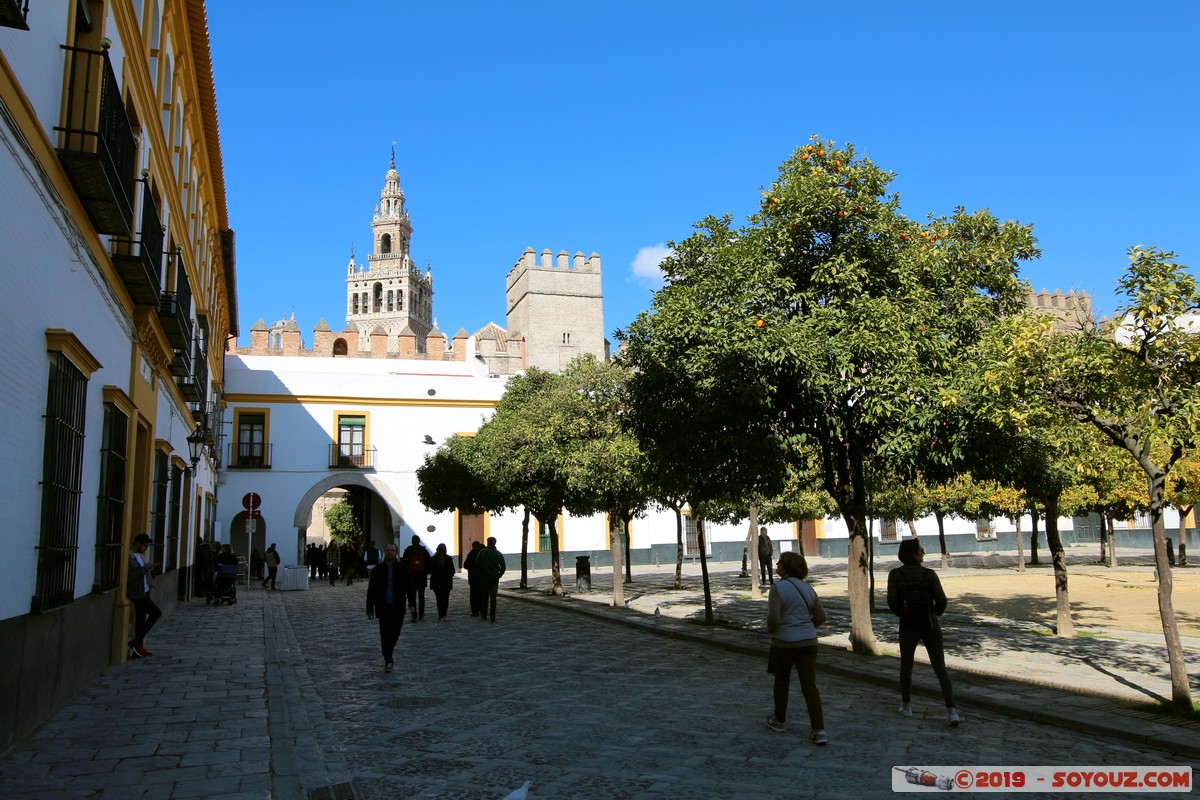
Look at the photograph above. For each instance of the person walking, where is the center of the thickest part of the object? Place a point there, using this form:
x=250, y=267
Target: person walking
x=765, y=554
x=914, y=594
x=794, y=612
x=333, y=561
x=491, y=566
x=349, y=562
x=386, y=594
x=474, y=582
x=441, y=579
x=416, y=561
x=271, y=559
x=138, y=584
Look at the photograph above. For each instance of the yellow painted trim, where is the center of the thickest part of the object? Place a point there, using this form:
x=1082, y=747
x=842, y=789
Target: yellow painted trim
x=239, y=411
x=179, y=462
x=487, y=529
x=293, y=399
x=65, y=342
x=608, y=526
x=116, y=395
x=558, y=530
x=163, y=446
x=364, y=413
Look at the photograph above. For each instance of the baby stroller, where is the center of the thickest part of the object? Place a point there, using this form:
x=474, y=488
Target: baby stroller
x=226, y=584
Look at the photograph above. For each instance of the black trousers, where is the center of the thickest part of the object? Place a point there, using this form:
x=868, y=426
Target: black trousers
x=145, y=614
x=487, y=608
x=272, y=572
x=391, y=620
x=443, y=601
x=416, y=597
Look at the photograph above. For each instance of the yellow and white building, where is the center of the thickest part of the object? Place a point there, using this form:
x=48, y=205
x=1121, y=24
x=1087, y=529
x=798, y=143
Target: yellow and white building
x=119, y=294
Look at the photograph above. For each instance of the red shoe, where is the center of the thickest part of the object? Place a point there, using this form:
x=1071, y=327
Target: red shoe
x=141, y=650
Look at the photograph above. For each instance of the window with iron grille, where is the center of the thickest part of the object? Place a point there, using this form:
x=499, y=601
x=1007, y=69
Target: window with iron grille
x=62, y=478
x=543, y=536
x=110, y=506
x=158, y=504
x=170, y=556
x=887, y=530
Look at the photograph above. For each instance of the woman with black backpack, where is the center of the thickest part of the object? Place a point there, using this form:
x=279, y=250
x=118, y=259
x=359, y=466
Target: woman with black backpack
x=915, y=595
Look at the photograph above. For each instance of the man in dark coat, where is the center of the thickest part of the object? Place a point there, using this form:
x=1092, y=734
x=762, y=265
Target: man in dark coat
x=490, y=564
x=387, y=590
x=474, y=583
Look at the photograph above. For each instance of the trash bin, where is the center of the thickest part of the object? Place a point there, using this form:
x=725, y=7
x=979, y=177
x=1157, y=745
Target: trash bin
x=583, y=573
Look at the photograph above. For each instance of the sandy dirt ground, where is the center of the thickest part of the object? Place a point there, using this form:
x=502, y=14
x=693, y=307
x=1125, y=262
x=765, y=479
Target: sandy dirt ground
x=1125, y=598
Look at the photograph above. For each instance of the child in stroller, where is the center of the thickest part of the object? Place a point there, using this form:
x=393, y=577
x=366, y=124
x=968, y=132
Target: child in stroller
x=226, y=577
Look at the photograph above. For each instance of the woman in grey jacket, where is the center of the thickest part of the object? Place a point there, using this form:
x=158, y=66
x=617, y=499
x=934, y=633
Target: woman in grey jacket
x=794, y=613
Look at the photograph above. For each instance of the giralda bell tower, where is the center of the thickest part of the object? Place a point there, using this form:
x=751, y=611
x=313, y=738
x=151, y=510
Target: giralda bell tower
x=391, y=293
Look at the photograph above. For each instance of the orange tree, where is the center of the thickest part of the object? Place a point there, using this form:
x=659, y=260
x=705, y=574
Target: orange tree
x=830, y=320
x=1133, y=382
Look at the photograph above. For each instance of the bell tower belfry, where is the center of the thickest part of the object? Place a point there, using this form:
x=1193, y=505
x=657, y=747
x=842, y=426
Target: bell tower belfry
x=391, y=293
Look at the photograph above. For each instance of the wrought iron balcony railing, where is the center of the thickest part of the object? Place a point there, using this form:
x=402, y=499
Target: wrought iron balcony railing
x=175, y=310
x=14, y=14
x=96, y=144
x=139, y=260
x=250, y=455
x=343, y=456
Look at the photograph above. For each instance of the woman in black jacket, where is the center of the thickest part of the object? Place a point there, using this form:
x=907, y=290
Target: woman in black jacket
x=915, y=595
x=441, y=579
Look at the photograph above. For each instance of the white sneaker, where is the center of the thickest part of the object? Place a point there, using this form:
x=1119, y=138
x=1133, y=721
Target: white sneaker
x=905, y=711
x=952, y=718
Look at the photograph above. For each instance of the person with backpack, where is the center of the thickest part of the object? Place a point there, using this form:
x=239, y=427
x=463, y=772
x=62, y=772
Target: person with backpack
x=416, y=563
x=915, y=595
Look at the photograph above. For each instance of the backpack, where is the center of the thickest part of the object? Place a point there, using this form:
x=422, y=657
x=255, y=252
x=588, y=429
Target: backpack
x=416, y=562
x=916, y=612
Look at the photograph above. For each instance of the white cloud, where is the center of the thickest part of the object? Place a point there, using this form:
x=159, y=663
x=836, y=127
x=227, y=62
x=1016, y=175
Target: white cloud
x=645, y=266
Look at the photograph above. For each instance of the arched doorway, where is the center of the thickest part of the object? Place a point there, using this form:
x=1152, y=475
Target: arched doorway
x=242, y=539
x=376, y=507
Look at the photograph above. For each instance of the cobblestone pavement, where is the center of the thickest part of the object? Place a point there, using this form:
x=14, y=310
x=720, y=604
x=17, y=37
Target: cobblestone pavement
x=283, y=696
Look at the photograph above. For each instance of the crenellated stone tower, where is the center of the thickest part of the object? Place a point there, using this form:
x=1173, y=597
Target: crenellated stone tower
x=556, y=307
x=391, y=295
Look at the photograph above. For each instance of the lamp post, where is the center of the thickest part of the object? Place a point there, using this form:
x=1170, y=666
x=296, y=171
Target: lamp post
x=197, y=440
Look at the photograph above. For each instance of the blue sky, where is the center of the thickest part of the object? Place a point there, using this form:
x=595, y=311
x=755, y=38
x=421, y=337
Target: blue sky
x=614, y=126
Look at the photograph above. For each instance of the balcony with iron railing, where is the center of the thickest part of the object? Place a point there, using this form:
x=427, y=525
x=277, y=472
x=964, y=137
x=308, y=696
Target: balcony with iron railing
x=351, y=456
x=139, y=259
x=195, y=385
x=96, y=142
x=250, y=455
x=175, y=309
x=14, y=14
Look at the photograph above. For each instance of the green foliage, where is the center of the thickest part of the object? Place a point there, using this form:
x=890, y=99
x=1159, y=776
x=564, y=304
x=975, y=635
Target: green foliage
x=828, y=325
x=342, y=523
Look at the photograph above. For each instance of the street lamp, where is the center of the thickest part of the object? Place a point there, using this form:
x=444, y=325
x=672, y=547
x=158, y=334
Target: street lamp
x=197, y=440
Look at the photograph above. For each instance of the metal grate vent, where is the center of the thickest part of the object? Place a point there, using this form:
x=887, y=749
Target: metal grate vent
x=414, y=702
x=339, y=791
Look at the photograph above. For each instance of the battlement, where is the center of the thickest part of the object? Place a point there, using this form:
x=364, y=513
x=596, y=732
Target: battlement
x=563, y=262
x=1069, y=310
